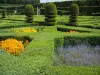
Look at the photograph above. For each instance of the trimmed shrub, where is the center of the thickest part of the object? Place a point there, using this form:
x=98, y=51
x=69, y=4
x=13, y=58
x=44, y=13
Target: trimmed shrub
x=74, y=11
x=3, y=13
x=50, y=19
x=42, y=11
x=50, y=23
x=61, y=12
x=50, y=14
x=29, y=12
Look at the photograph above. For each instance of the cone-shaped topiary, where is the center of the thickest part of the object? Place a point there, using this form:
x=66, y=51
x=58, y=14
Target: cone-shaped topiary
x=3, y=13
x=50, y=14
x=74, y=11
x=29, y=12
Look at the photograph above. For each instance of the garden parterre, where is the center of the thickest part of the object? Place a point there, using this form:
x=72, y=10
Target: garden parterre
x=37, y=57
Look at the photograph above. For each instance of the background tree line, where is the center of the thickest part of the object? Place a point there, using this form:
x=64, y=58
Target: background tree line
x=19, y=1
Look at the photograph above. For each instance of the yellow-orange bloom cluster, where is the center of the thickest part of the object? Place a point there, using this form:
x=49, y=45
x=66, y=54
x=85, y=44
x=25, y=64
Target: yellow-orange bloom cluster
x=12, y=46
x=28, y=29
x=71, y=31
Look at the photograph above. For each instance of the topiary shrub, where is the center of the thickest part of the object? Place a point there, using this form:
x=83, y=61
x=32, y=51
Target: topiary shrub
x=74, y=11
x=29, y=12
x=50, y=14
x=3, y=13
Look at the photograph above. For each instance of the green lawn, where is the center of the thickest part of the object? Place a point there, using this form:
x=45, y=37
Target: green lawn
x=38, y=56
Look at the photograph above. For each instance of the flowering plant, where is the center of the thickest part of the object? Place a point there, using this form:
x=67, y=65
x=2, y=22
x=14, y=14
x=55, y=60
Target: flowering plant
x=27, y=29
x=12, y=46
x=71, y=31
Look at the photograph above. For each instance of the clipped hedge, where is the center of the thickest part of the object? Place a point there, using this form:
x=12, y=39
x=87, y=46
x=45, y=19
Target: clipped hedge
x=89, y=10
x=51, y=23
x=59, y=42
x=77, y=40
x=88, y=40
x=50, y=19
x=23, y=38
x=63, y=29
x=63, y=8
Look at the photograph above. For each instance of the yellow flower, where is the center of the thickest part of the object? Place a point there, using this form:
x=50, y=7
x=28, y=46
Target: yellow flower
x=26, y=30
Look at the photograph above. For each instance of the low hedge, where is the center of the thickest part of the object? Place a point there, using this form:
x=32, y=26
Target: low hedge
x=15, y=26
x=50, y=16
x=50, y=19
x=50, y=23
x=68, y=29
x=23, y=38
x=77, y=40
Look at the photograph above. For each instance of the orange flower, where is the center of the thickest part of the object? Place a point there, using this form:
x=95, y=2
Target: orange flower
x=71, y=31
x=12, y=46
x=27, y=41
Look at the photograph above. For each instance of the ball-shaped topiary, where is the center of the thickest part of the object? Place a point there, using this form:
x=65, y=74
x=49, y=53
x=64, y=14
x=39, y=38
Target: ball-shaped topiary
x=50, y=14
x=4, y=13
x=74, y=11
x=29, y=12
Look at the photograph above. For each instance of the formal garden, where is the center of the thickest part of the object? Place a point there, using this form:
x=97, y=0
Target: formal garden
x=58, y=38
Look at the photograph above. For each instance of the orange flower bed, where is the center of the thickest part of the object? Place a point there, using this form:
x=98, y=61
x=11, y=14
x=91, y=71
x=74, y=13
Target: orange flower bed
x=12, y=46
x=71, y=31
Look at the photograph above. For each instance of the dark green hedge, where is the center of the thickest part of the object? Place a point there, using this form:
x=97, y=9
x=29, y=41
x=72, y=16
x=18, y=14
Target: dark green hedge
x=50, y=19
x=89, y=10
x=67, y=29
x=63, y=8
x=23, y=38
x=77, y=40
x=50, y=23
x=88, y=40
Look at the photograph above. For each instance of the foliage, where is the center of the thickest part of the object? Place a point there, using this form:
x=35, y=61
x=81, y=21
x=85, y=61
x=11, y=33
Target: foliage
x=3, y=13
x=19, y=1
x=29, y=11
x=74, y=11
x=61, y=12
x=51, y=9
x=50, y=13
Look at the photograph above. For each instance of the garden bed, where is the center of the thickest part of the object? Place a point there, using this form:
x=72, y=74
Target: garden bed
x=68, y=30
x=77, y=51
x=14, y=44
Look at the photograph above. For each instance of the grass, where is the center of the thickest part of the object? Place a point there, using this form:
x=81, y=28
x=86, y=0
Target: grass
x=37, y=58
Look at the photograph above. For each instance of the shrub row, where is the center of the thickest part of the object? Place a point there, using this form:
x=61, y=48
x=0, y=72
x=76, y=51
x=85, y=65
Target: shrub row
x=77, y=40
x=89, y=10
x=68, y=29
x=88, y=40
x=23, y=38
x=84, y=10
